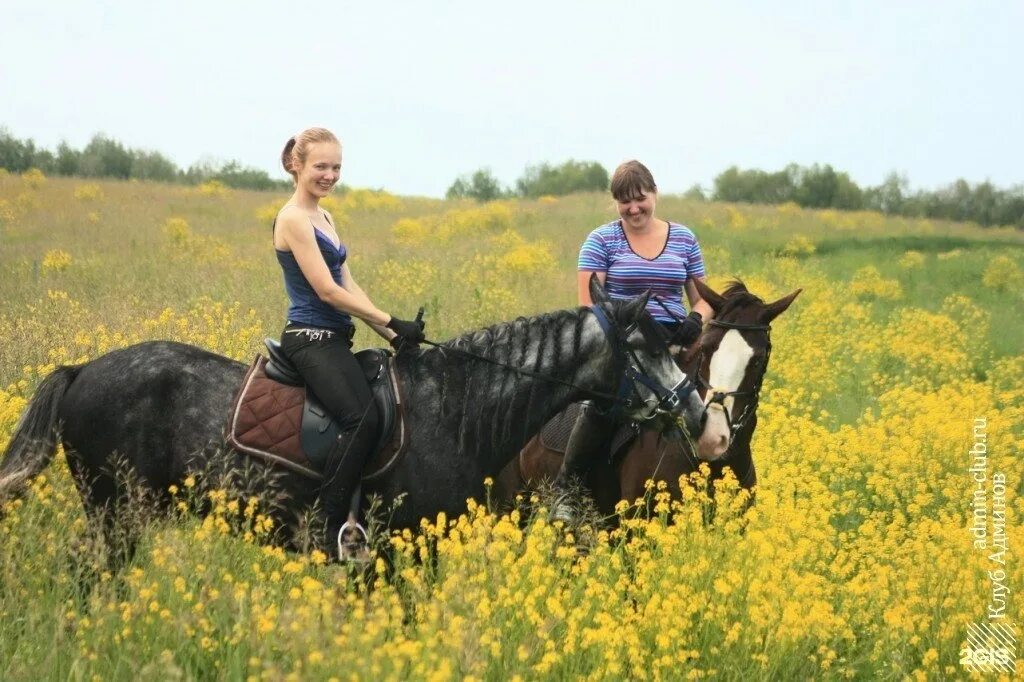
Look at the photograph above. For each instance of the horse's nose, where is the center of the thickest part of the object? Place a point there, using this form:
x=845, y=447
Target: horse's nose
x=711, y=448
x=714, y=438
x=693, y=415
x=722, y=445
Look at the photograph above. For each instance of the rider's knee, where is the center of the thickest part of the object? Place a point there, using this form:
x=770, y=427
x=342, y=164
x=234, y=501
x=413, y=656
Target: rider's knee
x=362, y=418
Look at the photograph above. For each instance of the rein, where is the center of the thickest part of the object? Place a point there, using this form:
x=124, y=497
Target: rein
x=633, y=374
x=517, y=370
x=668, y=398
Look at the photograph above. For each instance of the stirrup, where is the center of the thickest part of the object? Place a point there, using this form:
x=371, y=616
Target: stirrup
x=563, y=509
x=348, y=551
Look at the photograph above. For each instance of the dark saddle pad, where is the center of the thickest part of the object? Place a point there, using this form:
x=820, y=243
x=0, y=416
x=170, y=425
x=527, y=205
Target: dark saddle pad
x=555, y=434
x=275, y=418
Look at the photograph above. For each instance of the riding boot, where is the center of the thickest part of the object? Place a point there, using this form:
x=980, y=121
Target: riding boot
x=590, y=439
x=342, y=474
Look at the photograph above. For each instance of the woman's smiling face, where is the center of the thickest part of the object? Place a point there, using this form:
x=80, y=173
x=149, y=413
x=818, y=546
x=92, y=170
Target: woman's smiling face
x=637, y=211
x=322, y=169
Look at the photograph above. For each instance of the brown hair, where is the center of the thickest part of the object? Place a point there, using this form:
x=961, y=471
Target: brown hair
x=296, y=149
x=632, y=180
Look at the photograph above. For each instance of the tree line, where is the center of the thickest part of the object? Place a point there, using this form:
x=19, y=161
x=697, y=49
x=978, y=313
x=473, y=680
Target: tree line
x=104, y=157
x=537, y=181
x=821, y=186
x=816, y=186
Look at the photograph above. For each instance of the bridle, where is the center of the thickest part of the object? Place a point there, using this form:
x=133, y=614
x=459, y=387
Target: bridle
x=634, y=375
x=718, y=397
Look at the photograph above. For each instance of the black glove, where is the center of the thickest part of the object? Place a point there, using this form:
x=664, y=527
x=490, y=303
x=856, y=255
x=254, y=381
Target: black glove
x=411, y=332
x=689, y=329
x=399, y=343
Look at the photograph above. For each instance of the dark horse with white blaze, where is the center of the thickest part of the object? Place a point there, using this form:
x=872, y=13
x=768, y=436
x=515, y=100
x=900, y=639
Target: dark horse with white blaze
x=162, y=408
x=728, y=364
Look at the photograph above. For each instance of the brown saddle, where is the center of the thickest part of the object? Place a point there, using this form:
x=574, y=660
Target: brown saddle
x=275, y=419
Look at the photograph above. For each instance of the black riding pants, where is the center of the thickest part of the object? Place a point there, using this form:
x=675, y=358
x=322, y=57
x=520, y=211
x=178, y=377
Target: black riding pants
x=590, y=439
x=324, y=359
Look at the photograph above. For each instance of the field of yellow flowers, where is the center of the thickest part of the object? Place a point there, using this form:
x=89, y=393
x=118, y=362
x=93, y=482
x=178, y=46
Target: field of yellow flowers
x=904, y=353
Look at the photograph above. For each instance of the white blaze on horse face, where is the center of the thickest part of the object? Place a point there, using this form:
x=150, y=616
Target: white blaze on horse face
x=728, y=366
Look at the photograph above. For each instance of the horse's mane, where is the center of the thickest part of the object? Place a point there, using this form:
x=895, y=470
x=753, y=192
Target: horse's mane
x=468, y=389
x=498, y=336
x=737, y=296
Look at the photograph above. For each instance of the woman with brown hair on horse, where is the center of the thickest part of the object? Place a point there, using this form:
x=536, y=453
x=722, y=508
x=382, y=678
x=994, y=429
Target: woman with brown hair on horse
x=636, y=253
x=727, y=366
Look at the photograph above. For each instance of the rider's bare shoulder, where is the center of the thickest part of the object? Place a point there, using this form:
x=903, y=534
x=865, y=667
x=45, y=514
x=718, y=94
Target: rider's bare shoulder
x=292, y=227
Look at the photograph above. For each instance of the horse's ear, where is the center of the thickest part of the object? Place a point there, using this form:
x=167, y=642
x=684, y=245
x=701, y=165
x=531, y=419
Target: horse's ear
x=634, y=308
x=773, y=310
x=597, y=292
x=713, y=298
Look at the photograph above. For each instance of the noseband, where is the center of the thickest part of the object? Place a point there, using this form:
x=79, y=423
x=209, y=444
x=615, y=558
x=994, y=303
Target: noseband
x=718, y=397
x=633, y=375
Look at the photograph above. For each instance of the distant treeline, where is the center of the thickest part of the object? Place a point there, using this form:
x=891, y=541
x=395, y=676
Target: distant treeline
x=817, y=186
x=537, y=181
x=824, y=187
x=104, y=157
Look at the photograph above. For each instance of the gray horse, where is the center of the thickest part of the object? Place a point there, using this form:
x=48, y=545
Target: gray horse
x=160, y=408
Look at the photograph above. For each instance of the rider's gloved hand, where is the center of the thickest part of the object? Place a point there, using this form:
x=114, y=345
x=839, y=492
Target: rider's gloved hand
x=410, y=331
x=399, y=343
x=689, y=329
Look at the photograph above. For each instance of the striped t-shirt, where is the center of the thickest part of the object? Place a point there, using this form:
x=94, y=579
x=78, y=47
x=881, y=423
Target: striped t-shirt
x=607, y=250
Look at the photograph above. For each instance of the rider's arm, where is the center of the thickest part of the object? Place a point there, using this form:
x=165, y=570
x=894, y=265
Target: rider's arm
x=583, y=285
x=297, y=233
x=695, y=270
x=697, y=303
x=350, y=284
x=593, y=260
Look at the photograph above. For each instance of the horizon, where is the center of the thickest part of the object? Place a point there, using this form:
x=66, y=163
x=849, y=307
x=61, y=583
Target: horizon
x=420, y=97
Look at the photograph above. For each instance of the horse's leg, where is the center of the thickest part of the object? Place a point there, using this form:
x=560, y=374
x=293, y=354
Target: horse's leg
x=110, y=505
x=111, y=530
x=742, y=465
x=511, y=481
x=86, y=556
x=605, y=488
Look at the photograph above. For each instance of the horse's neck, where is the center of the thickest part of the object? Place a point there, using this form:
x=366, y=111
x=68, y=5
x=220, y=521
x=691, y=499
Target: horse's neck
x=495, y=410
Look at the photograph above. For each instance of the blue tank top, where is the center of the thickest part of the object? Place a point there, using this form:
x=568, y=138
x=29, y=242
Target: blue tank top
x=305, y=306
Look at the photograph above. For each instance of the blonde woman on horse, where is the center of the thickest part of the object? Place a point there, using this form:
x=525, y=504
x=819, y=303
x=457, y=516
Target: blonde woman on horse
x=324, y=298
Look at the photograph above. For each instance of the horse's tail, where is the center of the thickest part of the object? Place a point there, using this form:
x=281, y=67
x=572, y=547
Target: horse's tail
x=35, y=437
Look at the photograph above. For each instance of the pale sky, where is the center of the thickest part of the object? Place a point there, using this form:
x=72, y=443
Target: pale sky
x=421, y=92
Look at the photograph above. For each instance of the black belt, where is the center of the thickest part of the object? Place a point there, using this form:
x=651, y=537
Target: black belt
x=346, y=332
